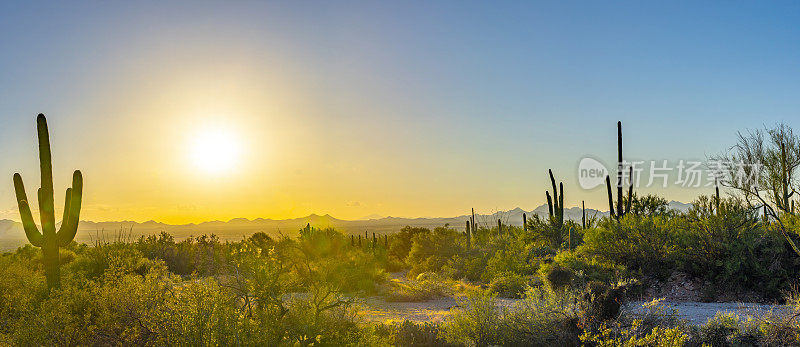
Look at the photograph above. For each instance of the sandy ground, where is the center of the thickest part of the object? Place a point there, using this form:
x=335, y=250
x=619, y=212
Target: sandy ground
x=697, y=313
x=378, y=310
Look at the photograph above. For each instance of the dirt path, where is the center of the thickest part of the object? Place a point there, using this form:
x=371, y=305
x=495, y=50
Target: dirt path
x=376, y=309
x=698, y=313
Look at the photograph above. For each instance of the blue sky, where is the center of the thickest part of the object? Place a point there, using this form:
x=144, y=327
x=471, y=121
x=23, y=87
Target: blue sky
x=450, y=104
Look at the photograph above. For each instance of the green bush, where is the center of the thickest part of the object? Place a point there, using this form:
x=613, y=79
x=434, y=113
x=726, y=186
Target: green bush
x=431, y=251
x=508, y=285
x=475, y=322
x=419, y=334
x=648, y=244
x=557, y=277
x=721, y=330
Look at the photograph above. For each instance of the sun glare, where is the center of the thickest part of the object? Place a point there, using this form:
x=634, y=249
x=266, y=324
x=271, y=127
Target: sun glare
x=215, y=150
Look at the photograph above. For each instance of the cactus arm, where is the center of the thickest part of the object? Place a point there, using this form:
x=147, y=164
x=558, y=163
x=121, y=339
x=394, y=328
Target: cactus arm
x=32, y=233
x=610, y=197
x=620, y=212
x=630, y=192
x=65, y=218
x=560, y=210
x=555, y=191
x=72, y=210
x=63, y=231
x=549, y=204
x=629, y=205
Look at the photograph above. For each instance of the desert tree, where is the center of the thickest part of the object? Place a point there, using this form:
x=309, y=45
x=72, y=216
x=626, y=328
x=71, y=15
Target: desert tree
x=761, y=169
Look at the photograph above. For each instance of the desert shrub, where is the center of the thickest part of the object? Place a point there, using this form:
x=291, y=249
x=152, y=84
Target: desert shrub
x=656, y=326
x=542, y=318
x=469, y=265
x=504, y=261
x=730, y=247
x=93, y=262
x=648, y=244
x=409, y=333
x=557, y=277
x=317, y=321
x=431, y=251
x=476, y=322
x=203, y=255
x=647, y=205
x=56, y=320
x=720, y=330
x=113, y=295
x=508, y=285
x=635, y=336
x=425, y=286
x=774, y=330
x=601, y=302
x=22, y=286
x=400, y=243
x=589, y=267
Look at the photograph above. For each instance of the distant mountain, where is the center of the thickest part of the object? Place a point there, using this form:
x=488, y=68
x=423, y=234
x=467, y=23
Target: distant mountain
x=12, y=234
x=677, y=205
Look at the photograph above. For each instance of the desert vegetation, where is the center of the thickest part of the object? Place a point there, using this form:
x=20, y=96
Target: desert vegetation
x=570, y=281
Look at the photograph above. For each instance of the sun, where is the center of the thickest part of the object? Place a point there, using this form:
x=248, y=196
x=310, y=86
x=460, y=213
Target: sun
x=215, y=150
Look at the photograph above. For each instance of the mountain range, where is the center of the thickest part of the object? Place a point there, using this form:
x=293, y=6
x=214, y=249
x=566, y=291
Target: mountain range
x=12, y=234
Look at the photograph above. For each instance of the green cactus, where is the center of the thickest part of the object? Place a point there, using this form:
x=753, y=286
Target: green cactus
x=621, y=208
x=474, y=226
x=524, y=222
x=555, y=203
x=583, y=214
x=468, y=235
x=49, y=239
x=716, y=193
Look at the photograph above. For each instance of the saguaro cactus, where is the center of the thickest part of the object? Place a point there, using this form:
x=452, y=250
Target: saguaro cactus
x=621, y=209
x=474, y=225
x=583, y=214
x=468, y=235
x=716, y=196
x=524, y=222
x=555, y=204
x=49, y=239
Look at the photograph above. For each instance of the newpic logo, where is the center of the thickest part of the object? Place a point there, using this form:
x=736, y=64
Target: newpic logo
x=591, y=173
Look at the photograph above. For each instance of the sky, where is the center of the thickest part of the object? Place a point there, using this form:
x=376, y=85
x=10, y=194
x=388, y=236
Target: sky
x=416, y=108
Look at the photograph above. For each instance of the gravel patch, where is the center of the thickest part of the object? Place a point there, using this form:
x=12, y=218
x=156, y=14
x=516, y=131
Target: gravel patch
x=698, y=313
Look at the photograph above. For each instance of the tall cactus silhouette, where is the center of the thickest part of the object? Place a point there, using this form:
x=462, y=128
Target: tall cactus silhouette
x=555, y=203
x=621, y=209
x=49, y=239
x=524, y=222
x=468, y=235
x=716, y=195
x=583, y=214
